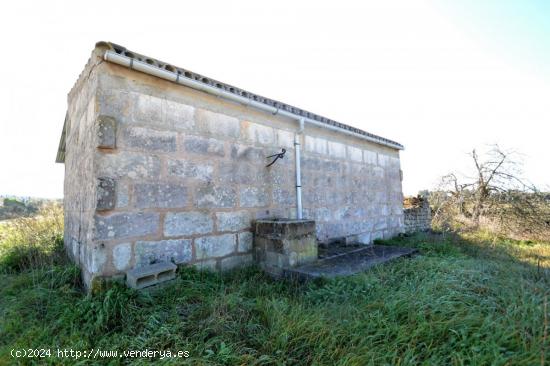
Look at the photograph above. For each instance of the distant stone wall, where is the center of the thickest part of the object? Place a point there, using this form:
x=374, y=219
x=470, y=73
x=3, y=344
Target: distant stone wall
x=178, y=175
x=417, y=214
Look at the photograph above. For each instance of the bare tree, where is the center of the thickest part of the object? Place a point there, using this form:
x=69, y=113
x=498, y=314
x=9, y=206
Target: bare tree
x=496, y=191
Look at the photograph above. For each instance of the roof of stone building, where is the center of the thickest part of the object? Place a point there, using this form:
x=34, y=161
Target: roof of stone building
x=241, y=92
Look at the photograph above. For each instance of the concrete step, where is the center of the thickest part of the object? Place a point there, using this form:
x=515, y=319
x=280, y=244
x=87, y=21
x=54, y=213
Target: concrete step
x=150, y=275
x=352, y=262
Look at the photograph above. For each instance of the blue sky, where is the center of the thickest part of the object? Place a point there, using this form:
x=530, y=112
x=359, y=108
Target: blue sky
x=519, y=30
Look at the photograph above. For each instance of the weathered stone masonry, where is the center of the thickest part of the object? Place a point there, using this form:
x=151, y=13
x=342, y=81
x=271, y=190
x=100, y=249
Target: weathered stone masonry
x=417, y=214
x=156, y=171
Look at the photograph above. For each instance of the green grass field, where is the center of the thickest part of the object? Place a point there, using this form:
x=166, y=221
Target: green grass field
x=465, y=300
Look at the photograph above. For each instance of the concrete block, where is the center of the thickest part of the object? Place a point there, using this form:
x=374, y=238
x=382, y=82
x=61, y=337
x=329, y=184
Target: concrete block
x=246, y=241
x=126, y=225
x=217, y=123
x=106, y=132
x=106, y=194
x=233, y=220
x=204, y=146
x=142, y=277
x=236, y=262
x=187, y=223
x=188, y=169
x=122, y=255
x=141, y=138
x=127, y=165
x=215, y=246
x=253, y=197
x=160, y=195
x=215, y=196
x=175, y=251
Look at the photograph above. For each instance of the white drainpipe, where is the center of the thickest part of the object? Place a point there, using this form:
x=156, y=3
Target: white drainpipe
x=298, y=170
x=146, y=68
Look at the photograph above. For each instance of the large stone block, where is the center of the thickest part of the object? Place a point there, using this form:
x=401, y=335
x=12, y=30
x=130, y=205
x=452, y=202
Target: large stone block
x=175, y=251
x=147, y=109
x=215, y=246
x=204, y=146
x=233, y=220
x=112, y=102
x=96, y=258
x=283, y=196
x=285, y=139
x=355, y=154
x=122, y=195
x=187, y=223
x=246, y=241
x=106, y=132
x=122, y=255
x=236, y=261
x=337, y=150
x=248, y=153
x=179, y=116
x=217, y=123
x=259, y=134
x=311, y=163
x=253, y=197
x=370, y=157
x=160, y=195
x=213, y=196
x=281, y=244
x=188, y=169
x=149, y=140
x=383, y=160
x=242, y=173
x=207, y=265
x=316, y=144
x=106, y=194
x=127, y=165
x=126, y=225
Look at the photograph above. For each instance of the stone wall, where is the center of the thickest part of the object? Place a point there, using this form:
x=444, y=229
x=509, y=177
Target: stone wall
x=417, y=214
x=161, y=172
x=79, y=184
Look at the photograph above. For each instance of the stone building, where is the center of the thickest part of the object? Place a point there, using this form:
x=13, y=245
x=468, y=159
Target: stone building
x=164, y=164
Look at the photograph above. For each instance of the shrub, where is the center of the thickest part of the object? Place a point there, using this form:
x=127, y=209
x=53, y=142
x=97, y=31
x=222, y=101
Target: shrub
x=33, y=242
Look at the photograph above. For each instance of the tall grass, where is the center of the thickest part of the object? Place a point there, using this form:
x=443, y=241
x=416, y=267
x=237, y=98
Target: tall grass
x=33, y=242
x=465, y=300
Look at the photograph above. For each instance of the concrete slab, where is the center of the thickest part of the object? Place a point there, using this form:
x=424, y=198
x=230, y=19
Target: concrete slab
x=349, y=262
